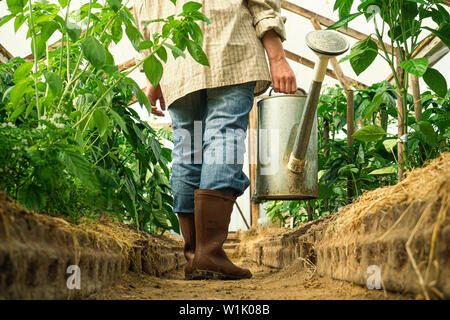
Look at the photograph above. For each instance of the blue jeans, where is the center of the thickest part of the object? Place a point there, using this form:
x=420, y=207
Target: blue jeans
x=209, y=130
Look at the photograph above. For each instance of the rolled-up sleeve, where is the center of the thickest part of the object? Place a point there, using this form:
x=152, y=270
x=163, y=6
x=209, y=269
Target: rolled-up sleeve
x=267, y=16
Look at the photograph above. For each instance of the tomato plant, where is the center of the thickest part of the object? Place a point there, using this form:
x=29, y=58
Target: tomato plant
x=70, y=142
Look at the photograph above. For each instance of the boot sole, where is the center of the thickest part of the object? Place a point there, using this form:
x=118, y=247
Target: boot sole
x=213, y=275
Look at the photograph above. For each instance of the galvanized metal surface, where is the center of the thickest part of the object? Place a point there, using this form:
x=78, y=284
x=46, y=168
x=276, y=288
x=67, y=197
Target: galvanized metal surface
x=278, y=121
x=302, y=140
x=327, y=42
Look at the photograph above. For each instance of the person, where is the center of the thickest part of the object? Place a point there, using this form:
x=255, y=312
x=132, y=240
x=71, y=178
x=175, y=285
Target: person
x=209, y=107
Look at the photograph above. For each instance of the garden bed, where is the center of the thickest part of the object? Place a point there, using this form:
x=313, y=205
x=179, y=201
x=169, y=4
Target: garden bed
x=36, y=250
x=403, y=231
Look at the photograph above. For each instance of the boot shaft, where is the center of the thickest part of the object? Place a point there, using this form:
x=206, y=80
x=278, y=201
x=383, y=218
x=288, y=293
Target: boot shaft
x=213, y=212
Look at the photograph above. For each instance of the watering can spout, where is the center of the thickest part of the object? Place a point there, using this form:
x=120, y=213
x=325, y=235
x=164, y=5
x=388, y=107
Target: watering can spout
x=326, y=44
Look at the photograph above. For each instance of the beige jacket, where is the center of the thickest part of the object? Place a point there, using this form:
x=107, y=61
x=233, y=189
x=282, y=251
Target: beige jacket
x=231, y=42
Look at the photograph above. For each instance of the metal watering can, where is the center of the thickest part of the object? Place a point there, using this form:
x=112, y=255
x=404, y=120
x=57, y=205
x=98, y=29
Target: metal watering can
x=287, y=157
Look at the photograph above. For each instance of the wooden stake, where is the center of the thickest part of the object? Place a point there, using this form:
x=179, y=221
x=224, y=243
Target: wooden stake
x=252, y=154
x=401, y=118
x=414, y=82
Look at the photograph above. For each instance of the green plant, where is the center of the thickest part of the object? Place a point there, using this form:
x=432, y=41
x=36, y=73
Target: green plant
x=66, y=114
x=403, y=22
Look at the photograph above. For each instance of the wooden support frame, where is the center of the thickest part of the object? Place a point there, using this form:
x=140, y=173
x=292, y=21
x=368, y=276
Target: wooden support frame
x=328, y=22
x=5, y=53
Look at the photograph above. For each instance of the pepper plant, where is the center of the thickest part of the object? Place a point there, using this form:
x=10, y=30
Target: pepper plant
x=404, y=23
x=65, y=115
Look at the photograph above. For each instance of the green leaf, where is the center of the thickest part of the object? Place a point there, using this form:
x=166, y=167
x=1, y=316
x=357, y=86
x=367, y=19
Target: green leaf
x=93, y=51
x=360, y=156
x=143, y=99
x=47, y=29
x=117, y=31
x=436, y=81
x=16, y=6
x=118, y=119
x=153, y=70
x=32, y=197
x=40, y=47
x=362, y=54
x=130, y=184
x=162, y=54
x=197, y=15
x=373, y=106
x=146, y=44
x=5, y=19
x=54, y=82
x=442, y=33
x=417, y=67
x=18, y=91
x=370, y=133
x=386, y=170
x=344, y=21
x=197, y=53
x=22, y=71
x=160, y=218
x=79, y=167
x=133, y=35
x=63, y=3
x=390, y=144
x=114, y=4
x=73, y=30
x=18, y=112
x=196, y=34
x=156, y=147
x=428, y=131
x=191, y=6
x=18, y=22
x=176, y=52
x=101, y=121
x=109, y=59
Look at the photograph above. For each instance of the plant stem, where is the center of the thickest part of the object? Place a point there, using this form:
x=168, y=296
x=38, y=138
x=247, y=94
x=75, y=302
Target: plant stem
x=101, y=35
x=69, y=79
x=117, y=82
x=48, y=66
x=36, y=67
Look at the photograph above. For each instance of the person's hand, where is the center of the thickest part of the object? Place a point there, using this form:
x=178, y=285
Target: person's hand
x=283, y=78
x=155, y=94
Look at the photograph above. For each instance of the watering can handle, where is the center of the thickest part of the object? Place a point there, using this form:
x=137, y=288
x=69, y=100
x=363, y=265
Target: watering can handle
x=299, y=91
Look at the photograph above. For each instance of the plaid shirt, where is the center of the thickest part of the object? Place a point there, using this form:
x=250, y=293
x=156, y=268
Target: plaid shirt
x=231, y=42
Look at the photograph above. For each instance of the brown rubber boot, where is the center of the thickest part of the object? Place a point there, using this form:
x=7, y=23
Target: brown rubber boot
x=187, y=227
x=212, y=216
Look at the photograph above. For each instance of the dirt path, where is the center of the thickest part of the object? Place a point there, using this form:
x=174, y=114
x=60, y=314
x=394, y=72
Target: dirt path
x=292, y=282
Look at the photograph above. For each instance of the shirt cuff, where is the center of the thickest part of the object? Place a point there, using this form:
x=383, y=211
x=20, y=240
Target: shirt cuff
x=271, y=22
